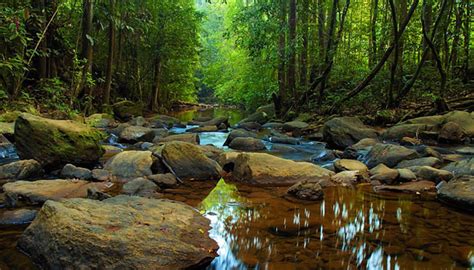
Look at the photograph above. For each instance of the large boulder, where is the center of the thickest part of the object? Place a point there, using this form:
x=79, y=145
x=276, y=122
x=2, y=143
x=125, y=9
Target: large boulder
x=463, y=167
x=265, y=169
x=22, y=169
x=188, y=137
x=400, y=131
x=131, y=164
x=459, y=192
x=37, y=192
x=123, y=232
x=239, y=133
x=133, y=134
x=425, y=161
x=451, y=132
x=384, y=174
x=126, y=110
x=431, y=174
x=188, y=162
x=342, y=132
x=54, y=143
x=294, y=126
x=389, y=155
x=247, y=144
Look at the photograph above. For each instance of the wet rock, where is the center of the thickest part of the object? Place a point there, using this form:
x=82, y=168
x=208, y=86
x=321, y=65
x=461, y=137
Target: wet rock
x=342, y=132
x=364, y=144
x=100, y=175
x=131, y=164
x=55, y=143
x=37, y=192
x=134, y=134
x=427, y=151
x=138, y=121
x=164, y=180
x=247, y=144
x=258, y=117
x=459, y=192
x=144, y=145
x=227, y=160
x=265, y=169
x=408, y=141
x=283, y=149
x=7, y=149
x=389, y=155
x=239, y=133
x=384, y=174
x=430, y=173
x=17, y=217
x=139, y=187
x=160, y=133
x=7, y=129
x=451, y=132
x=22, y=169
x=100, y=120
x=282, y=138
x=118, y=129
x=273, y=125
x=71, y=171
x=188, y=162
x=426, y=161
x=250, y=126
x=405, y=175
x=164, y=121
x=323, y=157
x=94, y=194
x=211, y=151
x=305, y=190
x=189, y=138
x=294, y=126
x=411, y=187
x=350, y=165
x=204, y=129
x=463, y=167
x=400, y=131
x=349, y=178
x=125, y=110
x=124, y=232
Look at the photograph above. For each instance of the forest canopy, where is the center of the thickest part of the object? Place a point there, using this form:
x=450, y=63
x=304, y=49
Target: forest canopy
x=317, y=55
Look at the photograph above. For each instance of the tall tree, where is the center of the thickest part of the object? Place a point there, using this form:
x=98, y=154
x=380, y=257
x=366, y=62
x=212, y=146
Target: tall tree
x=110, y=59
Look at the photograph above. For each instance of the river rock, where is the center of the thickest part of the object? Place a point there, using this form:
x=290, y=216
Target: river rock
x=138, y=121
x=279, y=148
x=430, y=173
x=139, y=187
x=250, y=126
x=350, y=165
x=384, y=174
x=100, y=120
x=426, y=161
x=294, y=126
x=125, y=110
x=364, y=144
x=265, y=169
x=247, y=144
x=459, y=192
x=389, y=155
x=100, y=175
x=410, y=187
x=341, y=132
x=131, y=164
x=273, y=125
x=165, y=120
x=306, y=190
x=463, y=167
x=188, y=162
x=37, y=192
x=400, y=131
x=7, y=129
x=134, y=134
x=239, y=133
x=124, y=232
x=188, y=137
x=22, y=169
x=406, y=175
x=282, y=138
x=269, y=109
x=55, y=143
x=451, y=132
x=227, y=160
x=211, y=151
x=167, y=180
x=71, y=171
x=203, y=129
x=349, y=178
x=259, y=117
x=17, y=217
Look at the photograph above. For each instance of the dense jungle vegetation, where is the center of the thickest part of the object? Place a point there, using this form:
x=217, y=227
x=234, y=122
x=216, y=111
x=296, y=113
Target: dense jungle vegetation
x=322, y=56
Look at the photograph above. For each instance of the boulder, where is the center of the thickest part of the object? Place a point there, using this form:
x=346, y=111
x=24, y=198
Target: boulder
x=463, y=167
x=305, y=190
x=259, y=117
x=278, y=148
x=188, y=162
x=164, y=121
x=282, y=138
x=431, y=174
x=138, y=121
x=273, y=125
x=350, y=165
x=341, y=132
x=464, y=120
x=126, y=110
x=71, y=171
x=451, y=132
x=123, y=232
x=37, y=192
x=167, y=180
x=389, y=155
x=139, y=187
x=265, y=169
x=410, y=187
x=400, y=131
x=384, y=174
x=100, y=175
x=426, y=161
x=221, y=121
x=227, y=160
x=458, y=192
x=211, y=151
x=239, y=133
x=247, y=144
x=131, y=164
x=203, y=129
x=364, y=144
x=55, y=143
x=100, y=120
x=160, y=133
x=133, y=134
x=406, y=175
x=17, y=217
x=189, y=138
x=349, y=178
x=294, y=126
x=22, y=169
x=7, y=129
x=250, y=126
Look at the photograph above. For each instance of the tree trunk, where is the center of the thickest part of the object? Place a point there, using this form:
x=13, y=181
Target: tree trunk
x=110, y=60
x=282, y=59
x=467, y=40
x=304, y=49
x=155, y=101
x=292, y=49
x=453, y=59
x=393, y=69
x=373, y=34
x=87, y=43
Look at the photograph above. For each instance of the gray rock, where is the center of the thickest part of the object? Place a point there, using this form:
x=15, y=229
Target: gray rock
x=131, y=164
x=431, y=174
x=406, y=175
x=203, y=129
x=459, y=192
x=451, y=132
x=349, y=178
x=123, y=232
x=306, y=190
x=426, y=161
x=17, y=217
x=250, y=126
x=294, y=126
x=364, y=144
x=71, y=171
x=350, y=165
x=164, y=180
x=239, y=133
x=211, y=151
x=100, y=175
x=139, y=187
x=133, y=134
x=20, y=170
x=259, y=117
x=389, y=155
x=138, y=121
x=278, y=148
x=273, y=125
x=342, y=132
x=463, y=167
x=188, y=137
x=247, y=144
x=384, y=174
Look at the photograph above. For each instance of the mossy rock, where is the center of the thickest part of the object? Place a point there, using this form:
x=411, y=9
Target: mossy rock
x=99, y=120
x=126, y=110
x=55, y=143
x=10, y=116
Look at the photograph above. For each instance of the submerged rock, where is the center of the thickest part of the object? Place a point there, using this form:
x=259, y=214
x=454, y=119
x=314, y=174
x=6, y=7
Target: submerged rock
x=342, y=132
x=389, y=155
x=54, y=143
x=247, y=144
x=265, y=169
x=131, y=164
x=411, y=187
x=459, y=192
x=22, y=169
x=307, y=190
x=123, y=232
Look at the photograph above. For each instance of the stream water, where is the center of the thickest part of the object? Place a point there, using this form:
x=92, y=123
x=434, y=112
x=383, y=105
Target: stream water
x=261, y=228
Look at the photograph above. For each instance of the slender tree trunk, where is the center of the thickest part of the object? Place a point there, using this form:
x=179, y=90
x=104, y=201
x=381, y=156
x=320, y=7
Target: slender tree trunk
x=87, y=43
x=321, y=35
x=292, y=49
x=453, y=59
x=155, y=101
x=393, y=69
x=110, y=60
x=373, y=34
x=281, y=98
x=467, y=39
x=304, y=49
